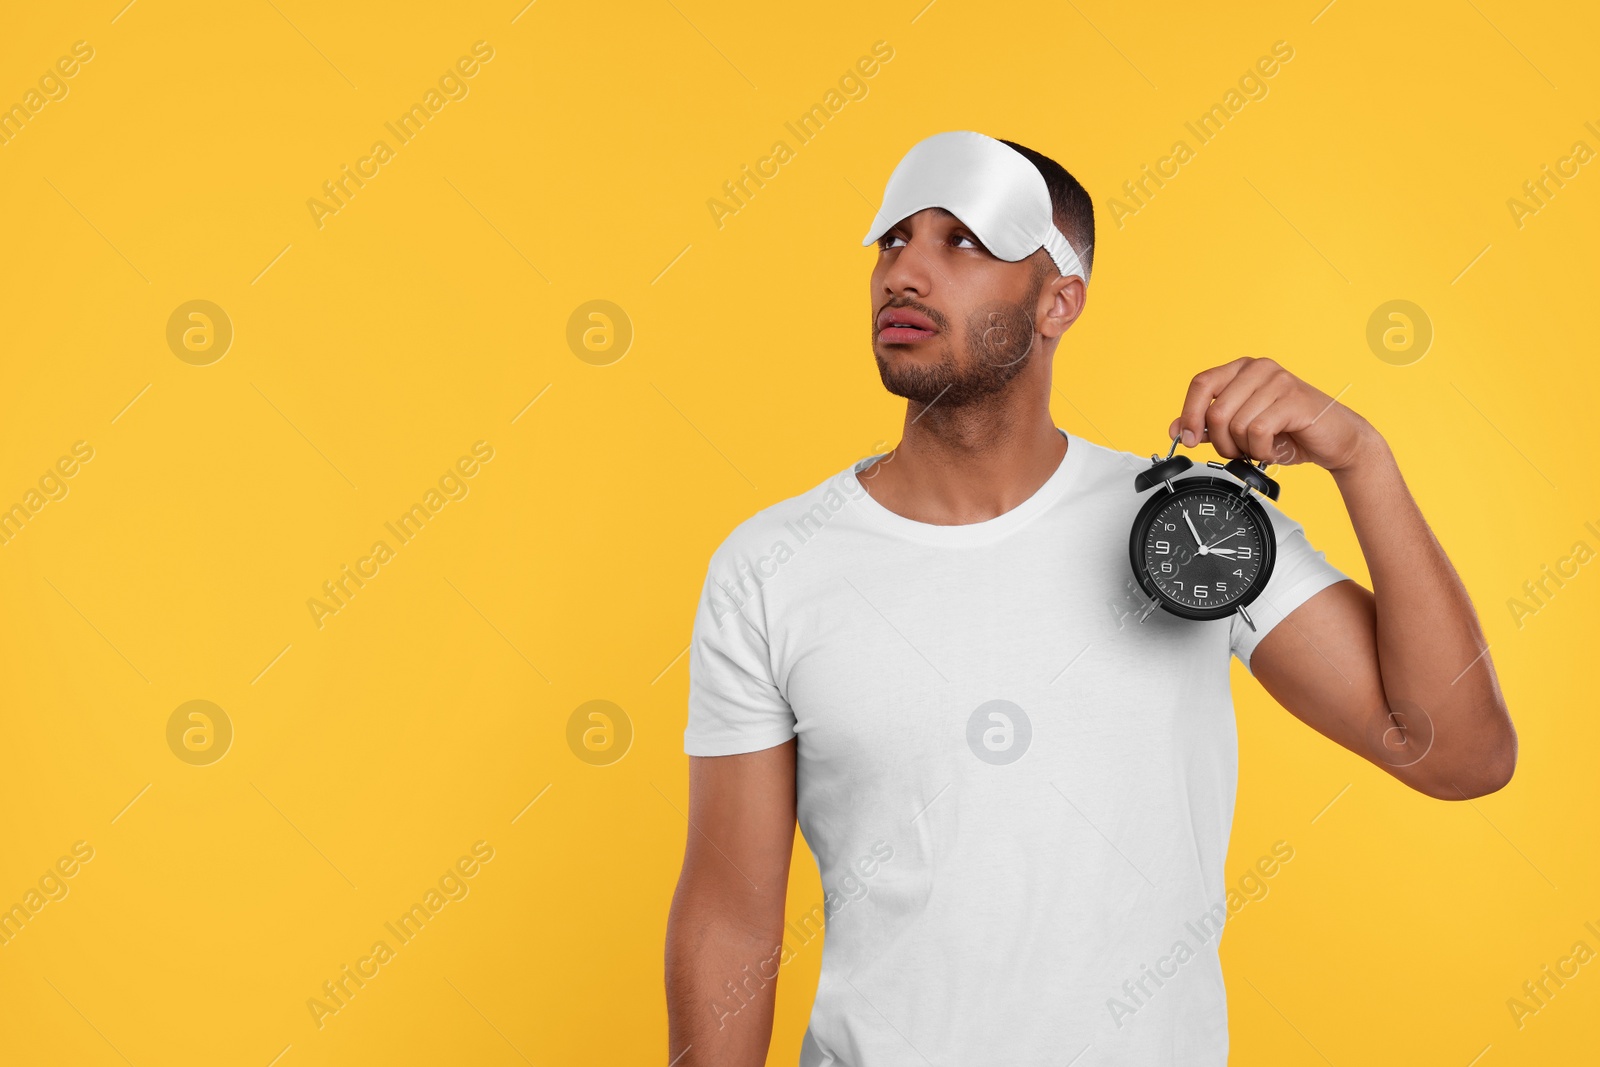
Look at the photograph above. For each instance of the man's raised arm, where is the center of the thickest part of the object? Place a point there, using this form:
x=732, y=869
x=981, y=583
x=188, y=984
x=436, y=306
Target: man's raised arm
x=1402, y=675
x=1399, y=674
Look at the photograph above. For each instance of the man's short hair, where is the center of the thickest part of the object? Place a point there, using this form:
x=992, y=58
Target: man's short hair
x=1070, y=204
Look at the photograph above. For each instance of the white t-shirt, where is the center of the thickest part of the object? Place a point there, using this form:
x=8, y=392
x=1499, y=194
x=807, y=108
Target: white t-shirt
x=1018, y=796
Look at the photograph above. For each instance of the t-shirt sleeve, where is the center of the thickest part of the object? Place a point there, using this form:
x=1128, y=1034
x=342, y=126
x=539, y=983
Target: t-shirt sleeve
x=734, y=704
x=1301, y=571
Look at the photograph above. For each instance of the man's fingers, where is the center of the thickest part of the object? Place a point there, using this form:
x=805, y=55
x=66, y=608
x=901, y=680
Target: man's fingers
x=1251, y=379
x=1203, y=388
x=1263, y=432
x=1256, y=421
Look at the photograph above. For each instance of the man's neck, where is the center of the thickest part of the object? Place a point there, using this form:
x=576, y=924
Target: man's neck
x=957, y=467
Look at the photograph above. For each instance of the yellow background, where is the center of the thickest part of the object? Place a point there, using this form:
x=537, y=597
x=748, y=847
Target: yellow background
x=432, y=309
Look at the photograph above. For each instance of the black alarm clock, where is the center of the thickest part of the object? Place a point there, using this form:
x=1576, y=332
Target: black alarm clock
x=1203, y=547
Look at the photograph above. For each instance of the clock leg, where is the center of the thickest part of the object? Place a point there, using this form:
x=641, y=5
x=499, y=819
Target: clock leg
x=1248, y=621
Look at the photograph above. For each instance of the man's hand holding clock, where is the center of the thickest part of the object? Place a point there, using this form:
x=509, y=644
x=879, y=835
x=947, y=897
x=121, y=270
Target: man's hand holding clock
x=1254, y=408
x=1395, y=675
x=1255, y=413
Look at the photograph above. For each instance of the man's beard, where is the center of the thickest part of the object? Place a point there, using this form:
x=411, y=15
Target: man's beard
x=999, y=342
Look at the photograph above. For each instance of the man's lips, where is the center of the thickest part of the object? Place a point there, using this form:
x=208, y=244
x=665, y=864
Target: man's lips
x=904, y=326
x=903, y=335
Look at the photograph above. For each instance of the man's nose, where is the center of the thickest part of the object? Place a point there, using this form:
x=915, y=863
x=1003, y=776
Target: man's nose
x=911, y=271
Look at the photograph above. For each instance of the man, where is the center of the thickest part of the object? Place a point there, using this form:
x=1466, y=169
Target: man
x=1017, y=784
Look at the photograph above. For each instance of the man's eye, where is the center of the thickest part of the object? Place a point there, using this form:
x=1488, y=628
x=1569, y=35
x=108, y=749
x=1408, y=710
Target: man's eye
x=885, y=241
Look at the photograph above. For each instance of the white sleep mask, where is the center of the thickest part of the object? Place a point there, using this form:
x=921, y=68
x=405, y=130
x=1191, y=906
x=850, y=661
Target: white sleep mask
x=990, y=186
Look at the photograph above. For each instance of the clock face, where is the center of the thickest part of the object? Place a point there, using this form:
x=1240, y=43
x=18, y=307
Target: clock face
x=1203, y=549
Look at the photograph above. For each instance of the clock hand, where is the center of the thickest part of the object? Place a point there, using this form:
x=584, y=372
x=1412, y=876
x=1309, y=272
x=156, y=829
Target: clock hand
x=1221, y=552
x=1213, y=546
x=1198, y=543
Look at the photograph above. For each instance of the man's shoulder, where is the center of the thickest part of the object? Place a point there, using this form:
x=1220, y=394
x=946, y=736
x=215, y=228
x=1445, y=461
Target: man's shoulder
x=778, y=527
x=1108, y=467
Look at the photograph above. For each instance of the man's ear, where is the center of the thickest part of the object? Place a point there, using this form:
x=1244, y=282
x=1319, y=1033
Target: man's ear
x=1060, y=303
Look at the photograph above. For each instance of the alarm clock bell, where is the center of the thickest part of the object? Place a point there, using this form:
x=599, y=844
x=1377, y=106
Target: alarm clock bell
x=1162, y=470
